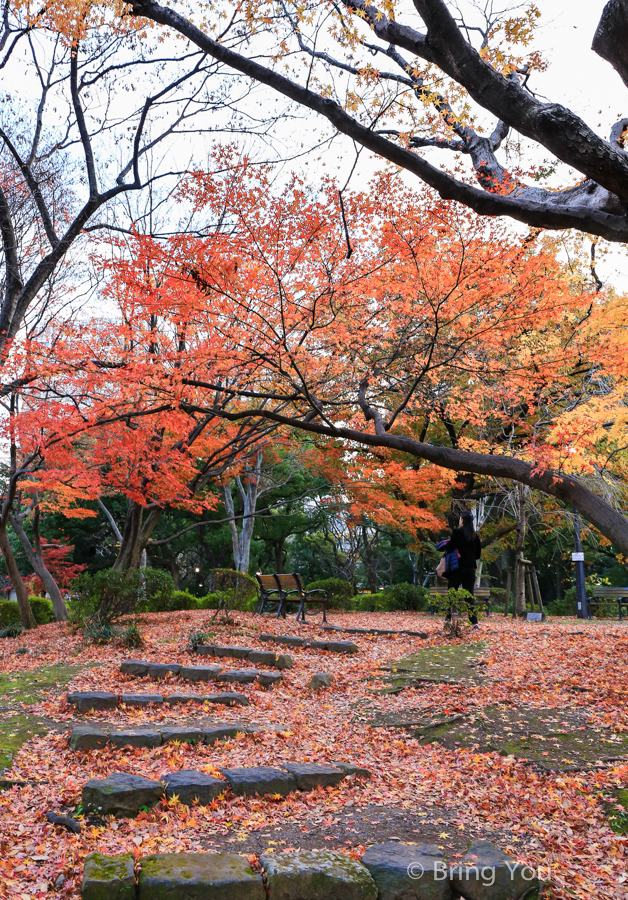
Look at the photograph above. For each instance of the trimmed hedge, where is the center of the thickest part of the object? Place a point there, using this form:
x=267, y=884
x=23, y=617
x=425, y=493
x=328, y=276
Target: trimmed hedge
x=407, y=597
x=338, y=590
x=41, y=606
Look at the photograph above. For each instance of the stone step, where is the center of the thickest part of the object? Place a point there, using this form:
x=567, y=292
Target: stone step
x=306, y=643
x=124, y=795
x=85, y=737
x=87, y=701
x=383, y=631
x=257, y=657
x=209, y=673
x=389, y=871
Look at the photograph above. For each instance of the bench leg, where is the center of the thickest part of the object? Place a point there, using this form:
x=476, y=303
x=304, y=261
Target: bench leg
x=301, y=611
x=324, y=613
x=621, y=618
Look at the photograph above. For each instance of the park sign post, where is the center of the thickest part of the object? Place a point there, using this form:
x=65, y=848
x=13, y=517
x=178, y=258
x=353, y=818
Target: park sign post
x=578, y=559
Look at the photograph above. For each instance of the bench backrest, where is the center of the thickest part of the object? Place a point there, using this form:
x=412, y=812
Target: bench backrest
x=290, y=582
x=440, y=590
x=610, y=593
x=266, y=583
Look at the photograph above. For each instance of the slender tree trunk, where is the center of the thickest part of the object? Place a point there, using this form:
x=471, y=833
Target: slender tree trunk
x=520, y=586
x=241, y=541
x=26, y=613
x=36, y=559
x=279, y=555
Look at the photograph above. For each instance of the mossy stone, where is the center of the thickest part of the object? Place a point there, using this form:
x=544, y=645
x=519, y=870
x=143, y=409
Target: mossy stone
x=108, y=877
x=317, y=874
x=198, y=876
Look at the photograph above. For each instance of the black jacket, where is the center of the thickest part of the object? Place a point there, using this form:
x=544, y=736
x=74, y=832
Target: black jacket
x=469, y=551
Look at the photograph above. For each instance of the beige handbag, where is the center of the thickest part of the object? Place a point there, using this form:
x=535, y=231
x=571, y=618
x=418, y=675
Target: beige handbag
x=440, y=568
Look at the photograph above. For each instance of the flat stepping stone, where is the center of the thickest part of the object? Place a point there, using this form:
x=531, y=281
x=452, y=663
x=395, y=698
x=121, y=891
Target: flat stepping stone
x=269, y=679
x=239, y=676
x=310, y=776
x=228, y=698
x=317, y=645
x=162, y=670
x=108, y=877
x=193, y=787
x=342, y=647
x=284, y=661
x=318, y=875
x=85, y=701
x=233, y=652
x=352, y=769
x=409, y=871
x=135, y=667
x=183, y=735
x=383, y=631
x=175, y=699
x=199, y=876
x=120, y=794
x=262, y=658
x=135, y=737
x=246, y=782
x=220, y=732
x=290, y=640
x=506, y=875
x=83, y=737
x=140, y=699
x=199, y=673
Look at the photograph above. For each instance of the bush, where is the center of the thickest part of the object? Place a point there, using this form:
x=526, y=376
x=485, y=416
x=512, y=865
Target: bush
x=41, y=606
x=339, y=592
x=131, y=637
x=566, y=605
x=12, y=631
x=43, y=610
x=9, y=613
x=371, y=602
x=109, y=594
x=184, y=600
x=235, y=590
x=408, y=597
x=209, y=601
x=223, y=581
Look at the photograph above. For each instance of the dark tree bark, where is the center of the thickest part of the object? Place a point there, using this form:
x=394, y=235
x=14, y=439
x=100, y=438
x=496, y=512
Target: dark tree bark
x=26, y=613
x=36, y=558
x=598, y=205
x=136, y=535
x=611, y=38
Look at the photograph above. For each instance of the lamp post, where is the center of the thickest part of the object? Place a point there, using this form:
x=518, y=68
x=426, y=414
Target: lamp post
x=578, y=559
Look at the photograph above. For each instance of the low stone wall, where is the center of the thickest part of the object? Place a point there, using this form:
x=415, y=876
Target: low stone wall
x=159, y=671
x=390, y=871
x=88, y=701
x=124, y=795
x=257, y=657
x=88, y=737
x=308, y=644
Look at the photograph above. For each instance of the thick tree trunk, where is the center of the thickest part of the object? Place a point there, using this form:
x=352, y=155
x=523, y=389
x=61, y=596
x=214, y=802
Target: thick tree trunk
x=35, y=557
x=136, y=535
x=26, y=613
x=279, y=555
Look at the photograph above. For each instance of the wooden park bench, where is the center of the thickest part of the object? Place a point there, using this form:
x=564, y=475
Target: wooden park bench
x=604, y=594
x=283, y=589
x=481, y=594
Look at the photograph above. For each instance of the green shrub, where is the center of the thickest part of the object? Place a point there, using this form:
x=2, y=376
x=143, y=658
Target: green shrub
x=43, y=610
x=96, y=632
x=229, y=581
x=339, y=592
x=209, y=601
x=407, y=597
x=371, y=602
x=566, y=605
x=109, y=594
x=184, y=600
x=131, y=636
x=41, y=606
x=9, y=613
x=12, y=631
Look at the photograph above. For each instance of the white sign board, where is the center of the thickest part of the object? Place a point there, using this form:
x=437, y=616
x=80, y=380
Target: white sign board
x=577, y=557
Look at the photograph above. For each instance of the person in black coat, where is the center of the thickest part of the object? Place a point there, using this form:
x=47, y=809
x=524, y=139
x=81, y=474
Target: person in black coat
x=465, y=540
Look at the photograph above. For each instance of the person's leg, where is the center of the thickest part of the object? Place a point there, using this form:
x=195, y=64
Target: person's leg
x=468, y=583
x=454, y=580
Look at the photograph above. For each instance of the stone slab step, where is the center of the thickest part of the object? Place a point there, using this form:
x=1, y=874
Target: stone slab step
x=390, y=871
x=257, y=657
x=331, y=646
x=208, y=673
x=419, y=634
x=122, y=794
x=85, y=737
x=88, y=701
